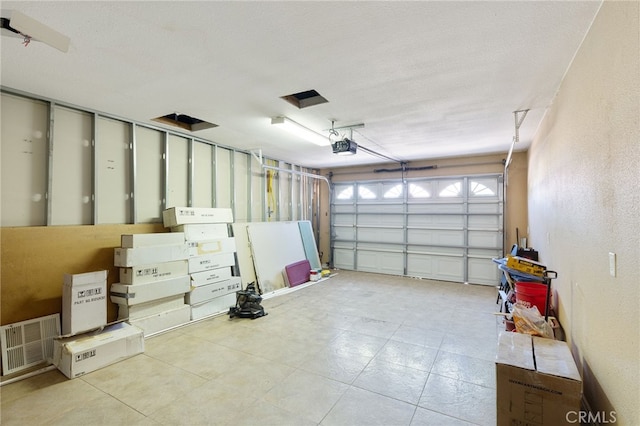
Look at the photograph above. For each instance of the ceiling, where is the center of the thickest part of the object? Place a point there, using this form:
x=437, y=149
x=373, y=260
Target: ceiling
x=428, y=79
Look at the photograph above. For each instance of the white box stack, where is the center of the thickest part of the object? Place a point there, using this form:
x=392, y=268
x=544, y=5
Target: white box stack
x=212, y=257
x=154, y=278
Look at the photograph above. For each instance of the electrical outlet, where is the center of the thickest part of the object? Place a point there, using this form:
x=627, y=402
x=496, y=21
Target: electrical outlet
x=612, y=264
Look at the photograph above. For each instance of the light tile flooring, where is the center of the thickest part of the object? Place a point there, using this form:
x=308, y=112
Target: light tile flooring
x=356, y=349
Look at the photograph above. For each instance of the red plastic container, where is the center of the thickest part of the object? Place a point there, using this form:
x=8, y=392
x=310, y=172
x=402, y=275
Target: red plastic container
x=534, y=294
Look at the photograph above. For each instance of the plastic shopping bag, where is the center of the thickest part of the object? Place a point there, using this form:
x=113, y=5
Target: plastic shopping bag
x=528, y=320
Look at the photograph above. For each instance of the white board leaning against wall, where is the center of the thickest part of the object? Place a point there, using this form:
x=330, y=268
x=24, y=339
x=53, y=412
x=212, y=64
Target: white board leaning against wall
x=265, y=248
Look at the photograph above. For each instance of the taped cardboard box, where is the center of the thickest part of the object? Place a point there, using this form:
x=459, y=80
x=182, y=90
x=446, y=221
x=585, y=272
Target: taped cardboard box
x=220, y=245
x=175, y=216
x=215, y=306
x=136, y=294
x=163, y=321
x=143, y=274
x=537, y=381
x=150, y=308
x=211, y=276
x=79, y=355
x=208, y=262
x=211, y=291
x=84, y=302
x=151, y=239
x=127, y=257
x=202, y=231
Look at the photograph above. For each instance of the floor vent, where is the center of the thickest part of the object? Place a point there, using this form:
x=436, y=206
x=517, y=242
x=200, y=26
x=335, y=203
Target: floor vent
x=28, y=343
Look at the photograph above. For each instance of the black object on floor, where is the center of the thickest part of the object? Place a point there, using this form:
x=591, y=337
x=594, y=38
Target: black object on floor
x=248, y=303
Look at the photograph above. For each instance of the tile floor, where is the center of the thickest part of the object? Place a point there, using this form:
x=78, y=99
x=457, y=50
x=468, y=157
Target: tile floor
x=356, y=349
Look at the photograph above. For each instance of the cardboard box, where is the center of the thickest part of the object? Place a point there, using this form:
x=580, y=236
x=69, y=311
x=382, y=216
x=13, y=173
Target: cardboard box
x=210, y=277
x=136, y=294
x=208, y=262
x=219, y=305
x=79, y=355
x=185, y=215
x=84, y=302
x=537, y=381
x=142, y=274
x=163, y=320
x=152, y=239
x=220, y=245
x=207, y=292
x=85, y=278
x=126, y=257
x=527, y=266
x=150, y=308
x=202, y=231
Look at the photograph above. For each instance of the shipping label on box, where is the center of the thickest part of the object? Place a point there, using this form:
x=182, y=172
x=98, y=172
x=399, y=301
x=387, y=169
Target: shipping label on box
x=220, y=245
x=84, y=303
x=127, y=257
x=79, y=355
x=537, y=381
x=175, y=216
x=203, y=231
x=135, y=294
x=211, y=261
x=211, y=291
x=151, y=239
x=211, y=276
x=153, y=272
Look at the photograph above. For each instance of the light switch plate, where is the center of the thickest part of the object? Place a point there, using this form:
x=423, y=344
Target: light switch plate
x=612, y=264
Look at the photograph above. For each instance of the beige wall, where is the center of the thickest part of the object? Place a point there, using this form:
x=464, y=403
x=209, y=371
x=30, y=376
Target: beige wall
x=516, y=204
x=35, y=259
x=584, y=174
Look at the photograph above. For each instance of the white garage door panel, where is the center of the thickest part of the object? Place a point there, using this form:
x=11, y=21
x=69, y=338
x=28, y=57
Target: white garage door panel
x=343, y=219
x=381, y=220
x=484, y=239
x=343, y=258
x=382, y=235
x=436, y=237
x=344, y=233
x=437, y=221
x=489, y=208
x=343, y=208
x=436, y=208
x=484, y=221
x=380, y=208
x=483, y=271
x=435, y=267
x=381, y=262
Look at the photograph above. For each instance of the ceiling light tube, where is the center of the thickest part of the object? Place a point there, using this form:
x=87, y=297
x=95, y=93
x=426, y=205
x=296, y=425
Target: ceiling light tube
x=301, y=131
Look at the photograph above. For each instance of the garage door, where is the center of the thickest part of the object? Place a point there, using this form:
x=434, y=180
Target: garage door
x=438, y=228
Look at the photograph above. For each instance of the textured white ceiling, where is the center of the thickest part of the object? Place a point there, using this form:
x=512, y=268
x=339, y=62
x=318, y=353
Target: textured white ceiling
x=428, y=79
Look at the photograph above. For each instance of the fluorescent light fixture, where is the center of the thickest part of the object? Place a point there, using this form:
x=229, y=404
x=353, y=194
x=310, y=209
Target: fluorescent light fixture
x=301, y=131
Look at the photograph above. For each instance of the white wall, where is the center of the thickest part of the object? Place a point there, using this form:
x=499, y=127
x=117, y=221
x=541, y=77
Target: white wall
x=584, y=186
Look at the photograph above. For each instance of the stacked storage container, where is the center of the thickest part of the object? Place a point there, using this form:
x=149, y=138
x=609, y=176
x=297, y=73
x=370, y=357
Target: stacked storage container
x=89, y=343
x=153, y=281
x=211, y=257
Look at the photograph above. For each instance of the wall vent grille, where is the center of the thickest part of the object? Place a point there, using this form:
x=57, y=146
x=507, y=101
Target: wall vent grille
x=28, y=343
